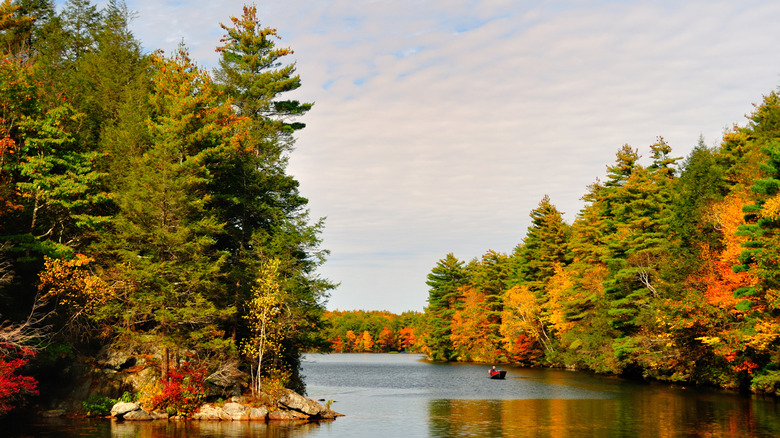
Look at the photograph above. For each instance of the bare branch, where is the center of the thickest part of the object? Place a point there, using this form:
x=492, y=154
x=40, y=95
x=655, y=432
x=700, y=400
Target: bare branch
x=644, y=277
x=27, y=334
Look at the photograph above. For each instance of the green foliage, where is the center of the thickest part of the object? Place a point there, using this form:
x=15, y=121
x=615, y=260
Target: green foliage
x=658, y=277
x=767, y=382
x=445, y=281
x=544, y=247
x=174, y=186
x=97, y=406
x=128, y=397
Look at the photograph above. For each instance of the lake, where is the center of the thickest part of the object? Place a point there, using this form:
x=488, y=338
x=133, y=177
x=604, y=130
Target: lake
x=402, y=395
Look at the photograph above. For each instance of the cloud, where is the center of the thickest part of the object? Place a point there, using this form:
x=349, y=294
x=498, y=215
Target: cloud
x=440, y=124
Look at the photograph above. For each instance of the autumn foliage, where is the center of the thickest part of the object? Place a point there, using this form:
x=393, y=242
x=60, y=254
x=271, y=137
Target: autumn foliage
x=671, y=271
x=15, y=387
x=358, y=331
x=140, y=198
x=181, y=394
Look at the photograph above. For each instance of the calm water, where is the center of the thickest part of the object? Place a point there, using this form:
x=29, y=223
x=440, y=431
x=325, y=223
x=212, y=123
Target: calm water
x=387, y=395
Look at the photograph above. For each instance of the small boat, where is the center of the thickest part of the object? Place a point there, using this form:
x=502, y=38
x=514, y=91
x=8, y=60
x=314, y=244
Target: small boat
x=497, y=374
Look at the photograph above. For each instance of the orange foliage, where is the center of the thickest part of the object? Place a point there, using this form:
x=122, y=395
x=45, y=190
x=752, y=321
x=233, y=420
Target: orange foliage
x=337, y=344
x=408, y=338
x=386, y=339
x=471, y=330
x=716, y=273
x=7, y=192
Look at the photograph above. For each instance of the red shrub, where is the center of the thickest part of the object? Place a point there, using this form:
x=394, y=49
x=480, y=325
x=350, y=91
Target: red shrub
x=182, y=393
x=14, y=387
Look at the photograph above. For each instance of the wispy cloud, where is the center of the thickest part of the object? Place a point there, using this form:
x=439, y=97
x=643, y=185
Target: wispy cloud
x=439, y=125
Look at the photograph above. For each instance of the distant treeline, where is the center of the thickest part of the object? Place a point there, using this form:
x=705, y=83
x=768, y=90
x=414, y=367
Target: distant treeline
x=360, y=331
x=671, y=271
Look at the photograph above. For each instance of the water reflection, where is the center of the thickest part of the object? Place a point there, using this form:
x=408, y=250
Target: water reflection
x=662, y=415
x=102, y=428
x=399, y=395
x=209, y=429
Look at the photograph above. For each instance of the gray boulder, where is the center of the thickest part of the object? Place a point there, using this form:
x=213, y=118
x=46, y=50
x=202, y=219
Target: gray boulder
x=287, y=416
x=210, y=412
x=120, y=409
x=115, y=359
x=236, y=411
x=293, y=400
x=227, y=381
x=257, y=414
x=129, y=411
x=296, y=402
x=137, y=415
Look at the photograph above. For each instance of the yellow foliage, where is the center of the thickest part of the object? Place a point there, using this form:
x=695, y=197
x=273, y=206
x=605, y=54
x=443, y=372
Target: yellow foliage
x=263, y=311
x=265, y=318
x=767, y=332
x=771, y=208
x=71, y=283
x=557, y=288
x=709, y=340
x=521, y=316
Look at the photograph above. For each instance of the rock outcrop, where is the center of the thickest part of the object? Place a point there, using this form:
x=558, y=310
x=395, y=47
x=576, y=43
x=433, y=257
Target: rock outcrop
x=129, y=411
x=298, y=403
x=291, y=407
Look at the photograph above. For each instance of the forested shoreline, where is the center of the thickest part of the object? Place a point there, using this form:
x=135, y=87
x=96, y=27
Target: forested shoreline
x=669, y=272
x=147, y=209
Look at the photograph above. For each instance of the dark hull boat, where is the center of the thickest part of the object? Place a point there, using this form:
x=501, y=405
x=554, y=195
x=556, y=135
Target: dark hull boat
x=498, y=374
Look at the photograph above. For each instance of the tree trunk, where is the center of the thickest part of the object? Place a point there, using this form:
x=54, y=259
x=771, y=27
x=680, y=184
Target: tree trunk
x=165, y=364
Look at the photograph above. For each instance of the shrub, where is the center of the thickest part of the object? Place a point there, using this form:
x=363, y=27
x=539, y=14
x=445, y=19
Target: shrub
x=14, y=387
x=96, y=406
x=767, y=383
x=181, y=394
x=128, y=397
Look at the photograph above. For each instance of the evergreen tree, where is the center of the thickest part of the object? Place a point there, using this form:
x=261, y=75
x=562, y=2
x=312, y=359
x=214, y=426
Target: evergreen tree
x=701, y=184
x=265, y=216
x=489, y=276
x=444, y=281
x=162, y=248
x=544, y=246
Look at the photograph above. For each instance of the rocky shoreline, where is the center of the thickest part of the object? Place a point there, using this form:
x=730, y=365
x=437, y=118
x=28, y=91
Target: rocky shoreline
x=290, y=407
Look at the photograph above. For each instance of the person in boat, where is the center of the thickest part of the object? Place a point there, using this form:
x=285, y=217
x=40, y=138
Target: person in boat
x=492, y=370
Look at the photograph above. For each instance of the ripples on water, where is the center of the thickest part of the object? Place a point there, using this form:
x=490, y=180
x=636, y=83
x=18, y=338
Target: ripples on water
x=458, y=400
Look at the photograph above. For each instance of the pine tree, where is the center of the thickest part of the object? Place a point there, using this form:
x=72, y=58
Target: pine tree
x=544, y=246
x=444, y=282
x=251, y=193
x=162, y=247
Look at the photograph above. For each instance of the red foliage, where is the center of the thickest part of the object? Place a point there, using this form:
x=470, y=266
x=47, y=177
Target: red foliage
x=746, y=365
x=524, y=349
x=14, y=387
x=337, y=344
x=182, y=392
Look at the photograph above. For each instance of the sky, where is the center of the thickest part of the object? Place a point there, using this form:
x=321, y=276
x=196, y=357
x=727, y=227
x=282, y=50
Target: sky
x=438, y=125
